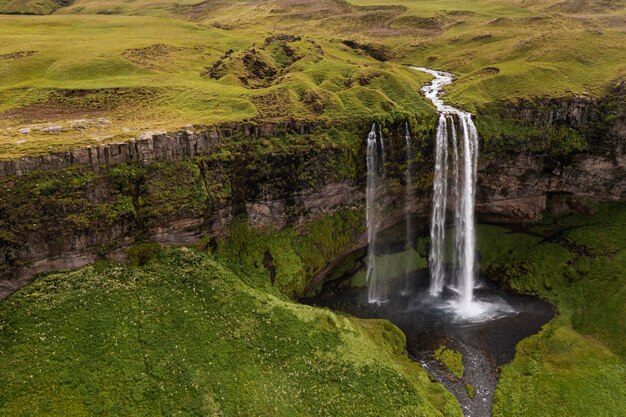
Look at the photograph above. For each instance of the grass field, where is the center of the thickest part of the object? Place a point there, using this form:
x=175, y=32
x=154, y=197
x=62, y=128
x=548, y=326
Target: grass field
x=576, y=366
x=145, y=65
x=184, y=335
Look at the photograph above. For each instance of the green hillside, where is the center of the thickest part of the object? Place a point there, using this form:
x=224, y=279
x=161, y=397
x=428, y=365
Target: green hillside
x=146, y=66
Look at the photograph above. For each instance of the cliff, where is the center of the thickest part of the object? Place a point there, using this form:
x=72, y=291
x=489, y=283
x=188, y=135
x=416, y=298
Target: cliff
x=65, y=210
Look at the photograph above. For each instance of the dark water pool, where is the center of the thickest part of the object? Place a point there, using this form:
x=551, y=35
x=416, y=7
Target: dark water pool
x=428, y=323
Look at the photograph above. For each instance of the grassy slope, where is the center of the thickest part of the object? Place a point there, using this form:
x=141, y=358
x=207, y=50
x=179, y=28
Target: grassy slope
x=577, y=365
x=546, y=48
x=184, y=335
x=540, y=48
x=81, y=69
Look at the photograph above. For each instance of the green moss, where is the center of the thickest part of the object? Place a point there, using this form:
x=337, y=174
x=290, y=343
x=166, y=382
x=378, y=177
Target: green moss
x=171, y=190
x=140, y=254
x=451, y=359
x=185, y=335
x=286, y=260
x=561, y=372
x=577, y=364
x=471, y=391
x=500, y=133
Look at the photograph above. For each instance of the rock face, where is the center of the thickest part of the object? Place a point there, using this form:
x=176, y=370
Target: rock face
x=65, y=210
x=151, y=147
x=521, y=182
x=520, y=188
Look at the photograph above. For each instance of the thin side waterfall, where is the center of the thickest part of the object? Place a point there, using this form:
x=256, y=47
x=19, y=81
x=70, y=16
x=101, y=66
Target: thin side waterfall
x=464, y=158
x=377, y=289
x=408, y=179
x=457, y=205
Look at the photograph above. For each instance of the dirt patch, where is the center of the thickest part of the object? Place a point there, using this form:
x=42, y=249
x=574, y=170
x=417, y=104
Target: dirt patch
x=482, y=37
x=63, y=104
x=17, y=55
x=314, y=100
x=253, y=67
x=261, y=67
x=416, y=22
x=379, y=53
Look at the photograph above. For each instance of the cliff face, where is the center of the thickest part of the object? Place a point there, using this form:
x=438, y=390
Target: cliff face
x=151, y=147
x=65, y=210
x=569, y=154
x=521, y=187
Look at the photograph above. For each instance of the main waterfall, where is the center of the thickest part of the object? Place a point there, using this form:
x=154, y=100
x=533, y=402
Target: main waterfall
x=461, y=278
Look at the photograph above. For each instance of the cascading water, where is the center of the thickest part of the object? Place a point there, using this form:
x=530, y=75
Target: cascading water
x=438, y=219
x=464, y=166
x=408, y=179
x=377, y=288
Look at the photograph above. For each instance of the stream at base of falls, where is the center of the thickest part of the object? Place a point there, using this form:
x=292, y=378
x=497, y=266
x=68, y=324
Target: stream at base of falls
x=485, y=342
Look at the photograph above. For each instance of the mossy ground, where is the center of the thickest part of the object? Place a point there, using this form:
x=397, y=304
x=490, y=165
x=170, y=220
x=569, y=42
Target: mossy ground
x=576, y=366
x=185, y=335
x=451, y=359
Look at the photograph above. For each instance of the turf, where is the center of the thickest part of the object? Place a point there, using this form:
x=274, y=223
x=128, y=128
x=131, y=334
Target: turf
x=154, y=73
x=451, y=359
x=148, y=65
x=577, y=365
x=184, y=335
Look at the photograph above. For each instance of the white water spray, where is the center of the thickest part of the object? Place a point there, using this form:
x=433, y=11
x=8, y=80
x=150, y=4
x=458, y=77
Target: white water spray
x=464, y=166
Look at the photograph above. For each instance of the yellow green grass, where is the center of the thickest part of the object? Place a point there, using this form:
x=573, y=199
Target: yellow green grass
x=184, y=335
x=148, y=73
x=144, y=65
x=451, y=359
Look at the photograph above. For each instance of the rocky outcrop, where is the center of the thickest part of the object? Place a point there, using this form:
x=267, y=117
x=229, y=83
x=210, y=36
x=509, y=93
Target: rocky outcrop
x=521, y=187
x=151, y=147
x=540, y=171
x=66, y=210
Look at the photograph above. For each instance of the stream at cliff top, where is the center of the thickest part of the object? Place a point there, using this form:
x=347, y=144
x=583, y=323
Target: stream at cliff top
x=427, y=324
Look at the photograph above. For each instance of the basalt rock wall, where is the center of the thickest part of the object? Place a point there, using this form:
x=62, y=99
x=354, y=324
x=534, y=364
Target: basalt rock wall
x=65, y=210
x=552, y=155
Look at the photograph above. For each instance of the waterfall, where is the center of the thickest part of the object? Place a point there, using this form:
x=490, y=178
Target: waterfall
x=457, y=206
x=467, y=198
x=464, y=159
x=408, y=179
x=438, y=219
x=377, y=289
